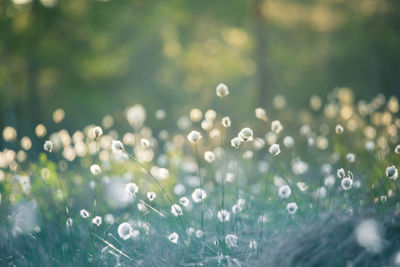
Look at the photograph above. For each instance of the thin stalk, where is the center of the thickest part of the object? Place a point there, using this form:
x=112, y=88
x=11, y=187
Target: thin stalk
x=201, y=188
x=222, y=159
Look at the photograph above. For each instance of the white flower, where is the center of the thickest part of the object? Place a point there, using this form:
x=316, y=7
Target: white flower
x=97, y=132
x=184, y=201
x=95, y=169
x=223, y=215
x=194, y=136
x=198, y=195
x=276, y=126
x=226, y=122
x=392, y=172
x=97, y=220
x=117, y=145
x=209, y=156
x=274, y=149
x=341, y=173
x=173, y=238
x=397, y=149
x=151, y=195
x=291, y=208
x=48, y=146
x=231, y=240
x=368, y=235
x=124, y=230
x=246, y=134
x=284, y=191
x=235, y=142
x=239, y=206
x=347, y=183
x=176, y=210
x=222, y=90
x=131, y=189
x=339, y=129
x=84, y=213
x=261, y=114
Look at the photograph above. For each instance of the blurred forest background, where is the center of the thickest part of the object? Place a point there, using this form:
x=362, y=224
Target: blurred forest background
x=93, y=58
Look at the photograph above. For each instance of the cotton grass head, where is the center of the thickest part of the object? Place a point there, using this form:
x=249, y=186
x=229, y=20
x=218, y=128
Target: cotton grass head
x=392, y=172
x=131, y=189
x=97, y=132
x=222, y=90
x=176, y=210
x=84, y=213
x=194, y=136
x=97, y=220
x=397, y=149
x=184, y=201
x=223, y=216
x=292, y=208
x=261, y=114
x=151, y=196
x=347, y=183
x=276, y=126
x=209, y=156
x=95, y=169
x=235, y=142
x=198, y=195
x=246, y=134
x=48, y=146
x=174, y=237
x=117, y=145
x=274, y=149
x=124, y=230
x=369, y=236
x=284, y=191
x=231, y=240
x=339, y=129
x=226, y=122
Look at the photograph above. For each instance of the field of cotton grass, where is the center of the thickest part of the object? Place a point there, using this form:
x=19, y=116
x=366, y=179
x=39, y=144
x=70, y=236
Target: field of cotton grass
x=310, y=187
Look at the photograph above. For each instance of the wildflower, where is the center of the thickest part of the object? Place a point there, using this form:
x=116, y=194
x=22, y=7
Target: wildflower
x=235, y=142
x=190, y=231
x=84, y=213
x=347, y=183
x=210, y=115
x=109, y=219
x=246, y=134
x=292, y=208
x=226, y=122
x=48, y=146
x=131, y=189
x=184, y=201
x=284, y=191
x=392, y=173
x=231, y=240
x=339, y=129
x=368, y=235
x=329, y=181
x=97, y=220
x=274, y=149
x=199, y=234
x=144, y=142
x=198, y=195
x=151, y=195
x=117, y=145
x=97, y=132
x=209, y=156
x=397, y=149
x=223, y=215
x=124, y=230
x=173, y=238
x=176, y=210
x=194, y=136
x=261, y=114
x=276, y=126
x=222, y=90
x=95, y=169
x=340, y=173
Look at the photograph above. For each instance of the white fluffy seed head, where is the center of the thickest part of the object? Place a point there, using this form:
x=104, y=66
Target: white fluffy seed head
x=48, y=146
x=261, y=114
x=231, y=240
x=246, y=134
x=276, y=126
x=292, y=208
x=341, y=173
x=284, y=191
x=176, y=210
x=132, y=189
x=124, y=230
x=184, y=201
x=145, y=143
x=226, y=122
x=84, y=213
x=209, y=156
x=223, y=215
x=392, y=172
x=235, y=142
x=97, y=132
x=339, y=129
x=368, y=235
x=274, y=149
x=95, y=169
x=174, y=237
x=222, y=90
x=397, y=149
x=97, y=220
x=194, y=136
x=347, y=183
x=151, y=196
x=198, y=195
x=117, y=145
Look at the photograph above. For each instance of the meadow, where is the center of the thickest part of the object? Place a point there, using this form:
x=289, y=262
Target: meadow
x=316, y=186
